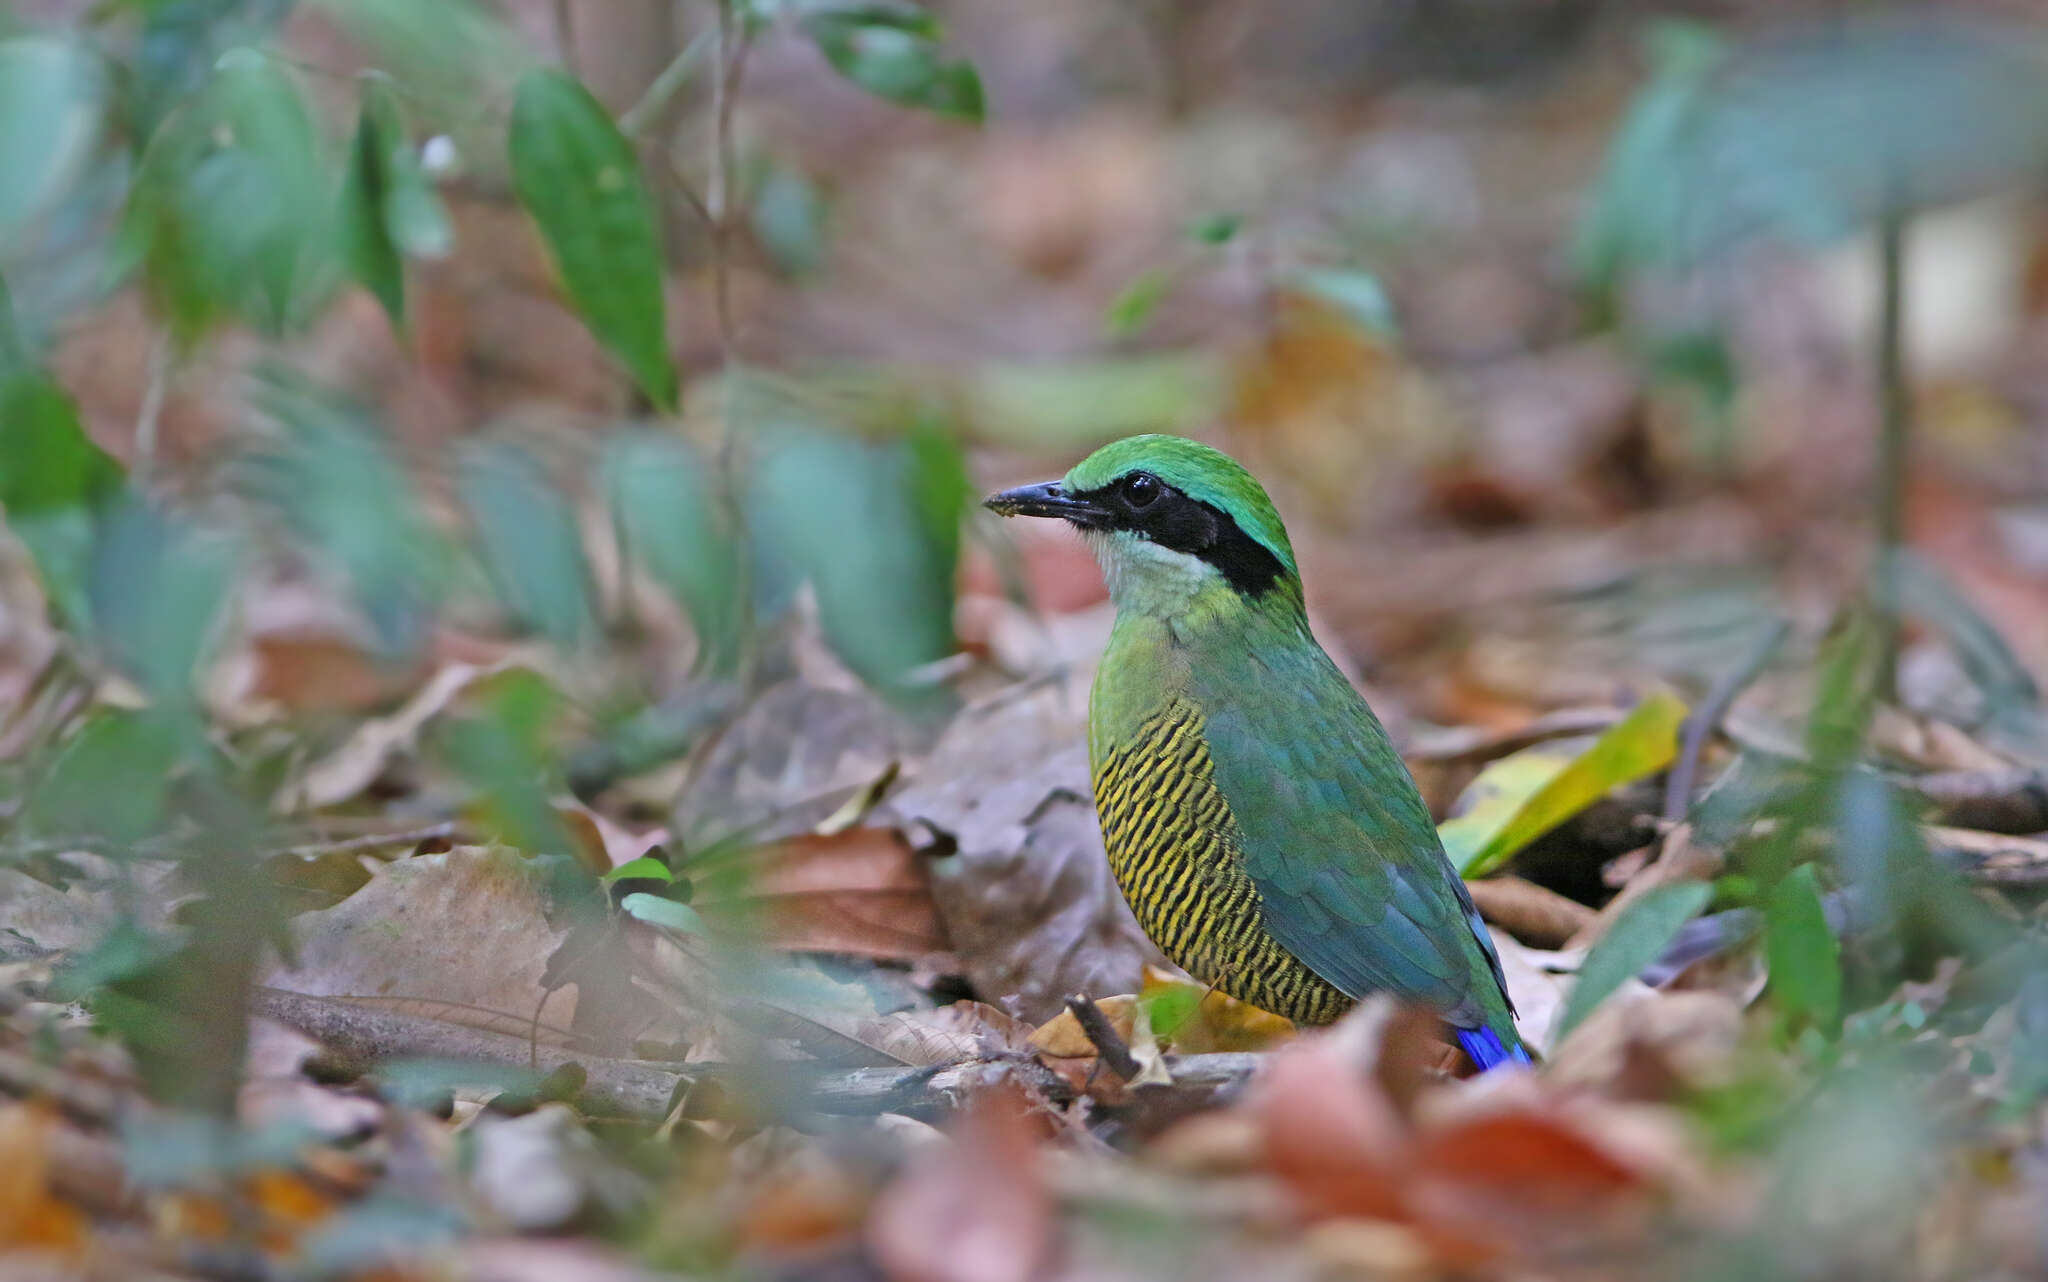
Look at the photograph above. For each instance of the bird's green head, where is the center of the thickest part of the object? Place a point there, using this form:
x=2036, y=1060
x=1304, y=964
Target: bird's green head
x=1171, y=520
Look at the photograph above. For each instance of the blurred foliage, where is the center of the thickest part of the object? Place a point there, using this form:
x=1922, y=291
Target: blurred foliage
x=177, y=150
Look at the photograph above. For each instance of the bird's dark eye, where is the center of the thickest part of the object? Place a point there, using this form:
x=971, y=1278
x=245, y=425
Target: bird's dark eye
x=1141, y=489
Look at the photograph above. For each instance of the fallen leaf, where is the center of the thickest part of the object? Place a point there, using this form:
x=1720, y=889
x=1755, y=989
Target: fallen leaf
x=1649, y=1045
x=1536, y=915
x=464, y=931
x=1196, y=1019
x=1520, y=797
x=1062, y=1036
x=1331, y=1110
x=860, y=891
x=31, y=1218
x=367, y=752
x=973, y=1210
x=789, y=762
x=1018, y=872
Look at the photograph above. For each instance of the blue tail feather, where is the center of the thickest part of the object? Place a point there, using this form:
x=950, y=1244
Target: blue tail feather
x=1487, y=1051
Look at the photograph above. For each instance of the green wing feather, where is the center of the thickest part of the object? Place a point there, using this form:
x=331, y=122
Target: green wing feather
x=1352, y=878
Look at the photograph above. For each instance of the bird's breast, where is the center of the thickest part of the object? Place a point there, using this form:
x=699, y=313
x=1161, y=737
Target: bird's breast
x=1174, y=849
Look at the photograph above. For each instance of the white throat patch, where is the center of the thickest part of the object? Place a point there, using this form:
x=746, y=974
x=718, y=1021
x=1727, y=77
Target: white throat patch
x=1145, y=578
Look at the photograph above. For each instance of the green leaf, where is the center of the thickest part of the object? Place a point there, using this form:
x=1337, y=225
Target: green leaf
x=662, y=500
x=876, y=530
x=1357, y=296
x=231, y=213
x=159, y=586
x=1530, y=792
x=388, y=208
x=666, y=913
x=789, y=213
x=110, y=780
x=504, y=751
x=579, y=179
x=646, y=867
x=1804, y=957
x=1810, y=136
x=1636, y=938
x=52, y=103
x=893, y=53
x=1638, y=194
x=530, y=541
x=335, y=483
x=1085, y=403
x=1215, y=229
x=456, y=54
x=46, y=460
x=1131, y=310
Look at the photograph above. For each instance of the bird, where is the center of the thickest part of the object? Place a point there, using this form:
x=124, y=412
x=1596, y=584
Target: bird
x=1266, y=834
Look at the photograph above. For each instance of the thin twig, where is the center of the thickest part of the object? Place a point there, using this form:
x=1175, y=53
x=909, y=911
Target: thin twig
x=565, y=34
x=1685, y=771
x=448, y=830
x=1115, y=1051
x=733, y=41
x=1896, y=409
x=148, y=418
x=665, y=86
x=643, y=1088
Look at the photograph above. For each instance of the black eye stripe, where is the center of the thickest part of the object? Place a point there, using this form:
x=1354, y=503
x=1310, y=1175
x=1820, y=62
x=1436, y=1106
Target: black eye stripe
x=1173, y=520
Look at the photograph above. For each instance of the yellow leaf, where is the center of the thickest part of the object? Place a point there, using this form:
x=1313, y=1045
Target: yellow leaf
x=1061, y=1037
x=1522, y=796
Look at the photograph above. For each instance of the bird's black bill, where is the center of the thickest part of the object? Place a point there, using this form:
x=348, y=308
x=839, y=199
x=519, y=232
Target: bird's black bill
x=1048, y=499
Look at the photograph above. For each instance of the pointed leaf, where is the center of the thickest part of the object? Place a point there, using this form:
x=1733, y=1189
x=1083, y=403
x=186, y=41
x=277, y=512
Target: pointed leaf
x=577, y=175
x=1540, y=794
x=1637, y=938
x=52, y=96
x=1804, y=956
x=530, y=541
x=893, y=52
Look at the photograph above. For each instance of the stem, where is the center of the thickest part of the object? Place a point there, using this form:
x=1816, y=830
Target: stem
x=728, y=70
x=665, y=87
x=150, y=416
x=565, y=35
x=1894, y=398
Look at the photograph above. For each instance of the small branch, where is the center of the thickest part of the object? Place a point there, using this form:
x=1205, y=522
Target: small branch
x=1700, y=725
x=643, y=1088
x=1115, y=1052
x=665, y=86
x=718, y=199
x=2011, y=801
x=1533, y=914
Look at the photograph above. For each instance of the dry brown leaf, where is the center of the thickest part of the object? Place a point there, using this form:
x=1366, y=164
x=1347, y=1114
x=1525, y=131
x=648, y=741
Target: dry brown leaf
x=366, y=753
x=1644, y=1044
x=463, y=932
x=861, y=891
x=1533, y=914
x=974, y=1210
x=948, y=1035
x=1021, y=882
x=1062, y=1036
x=1218, y=1022
x=31, y=1218
x=1333, y=1130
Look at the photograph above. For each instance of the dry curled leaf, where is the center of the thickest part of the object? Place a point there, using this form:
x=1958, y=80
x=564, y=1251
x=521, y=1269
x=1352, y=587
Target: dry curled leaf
x=976, y=1209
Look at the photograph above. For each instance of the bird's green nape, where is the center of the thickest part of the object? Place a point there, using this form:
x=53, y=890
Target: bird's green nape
x=1199, y=471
